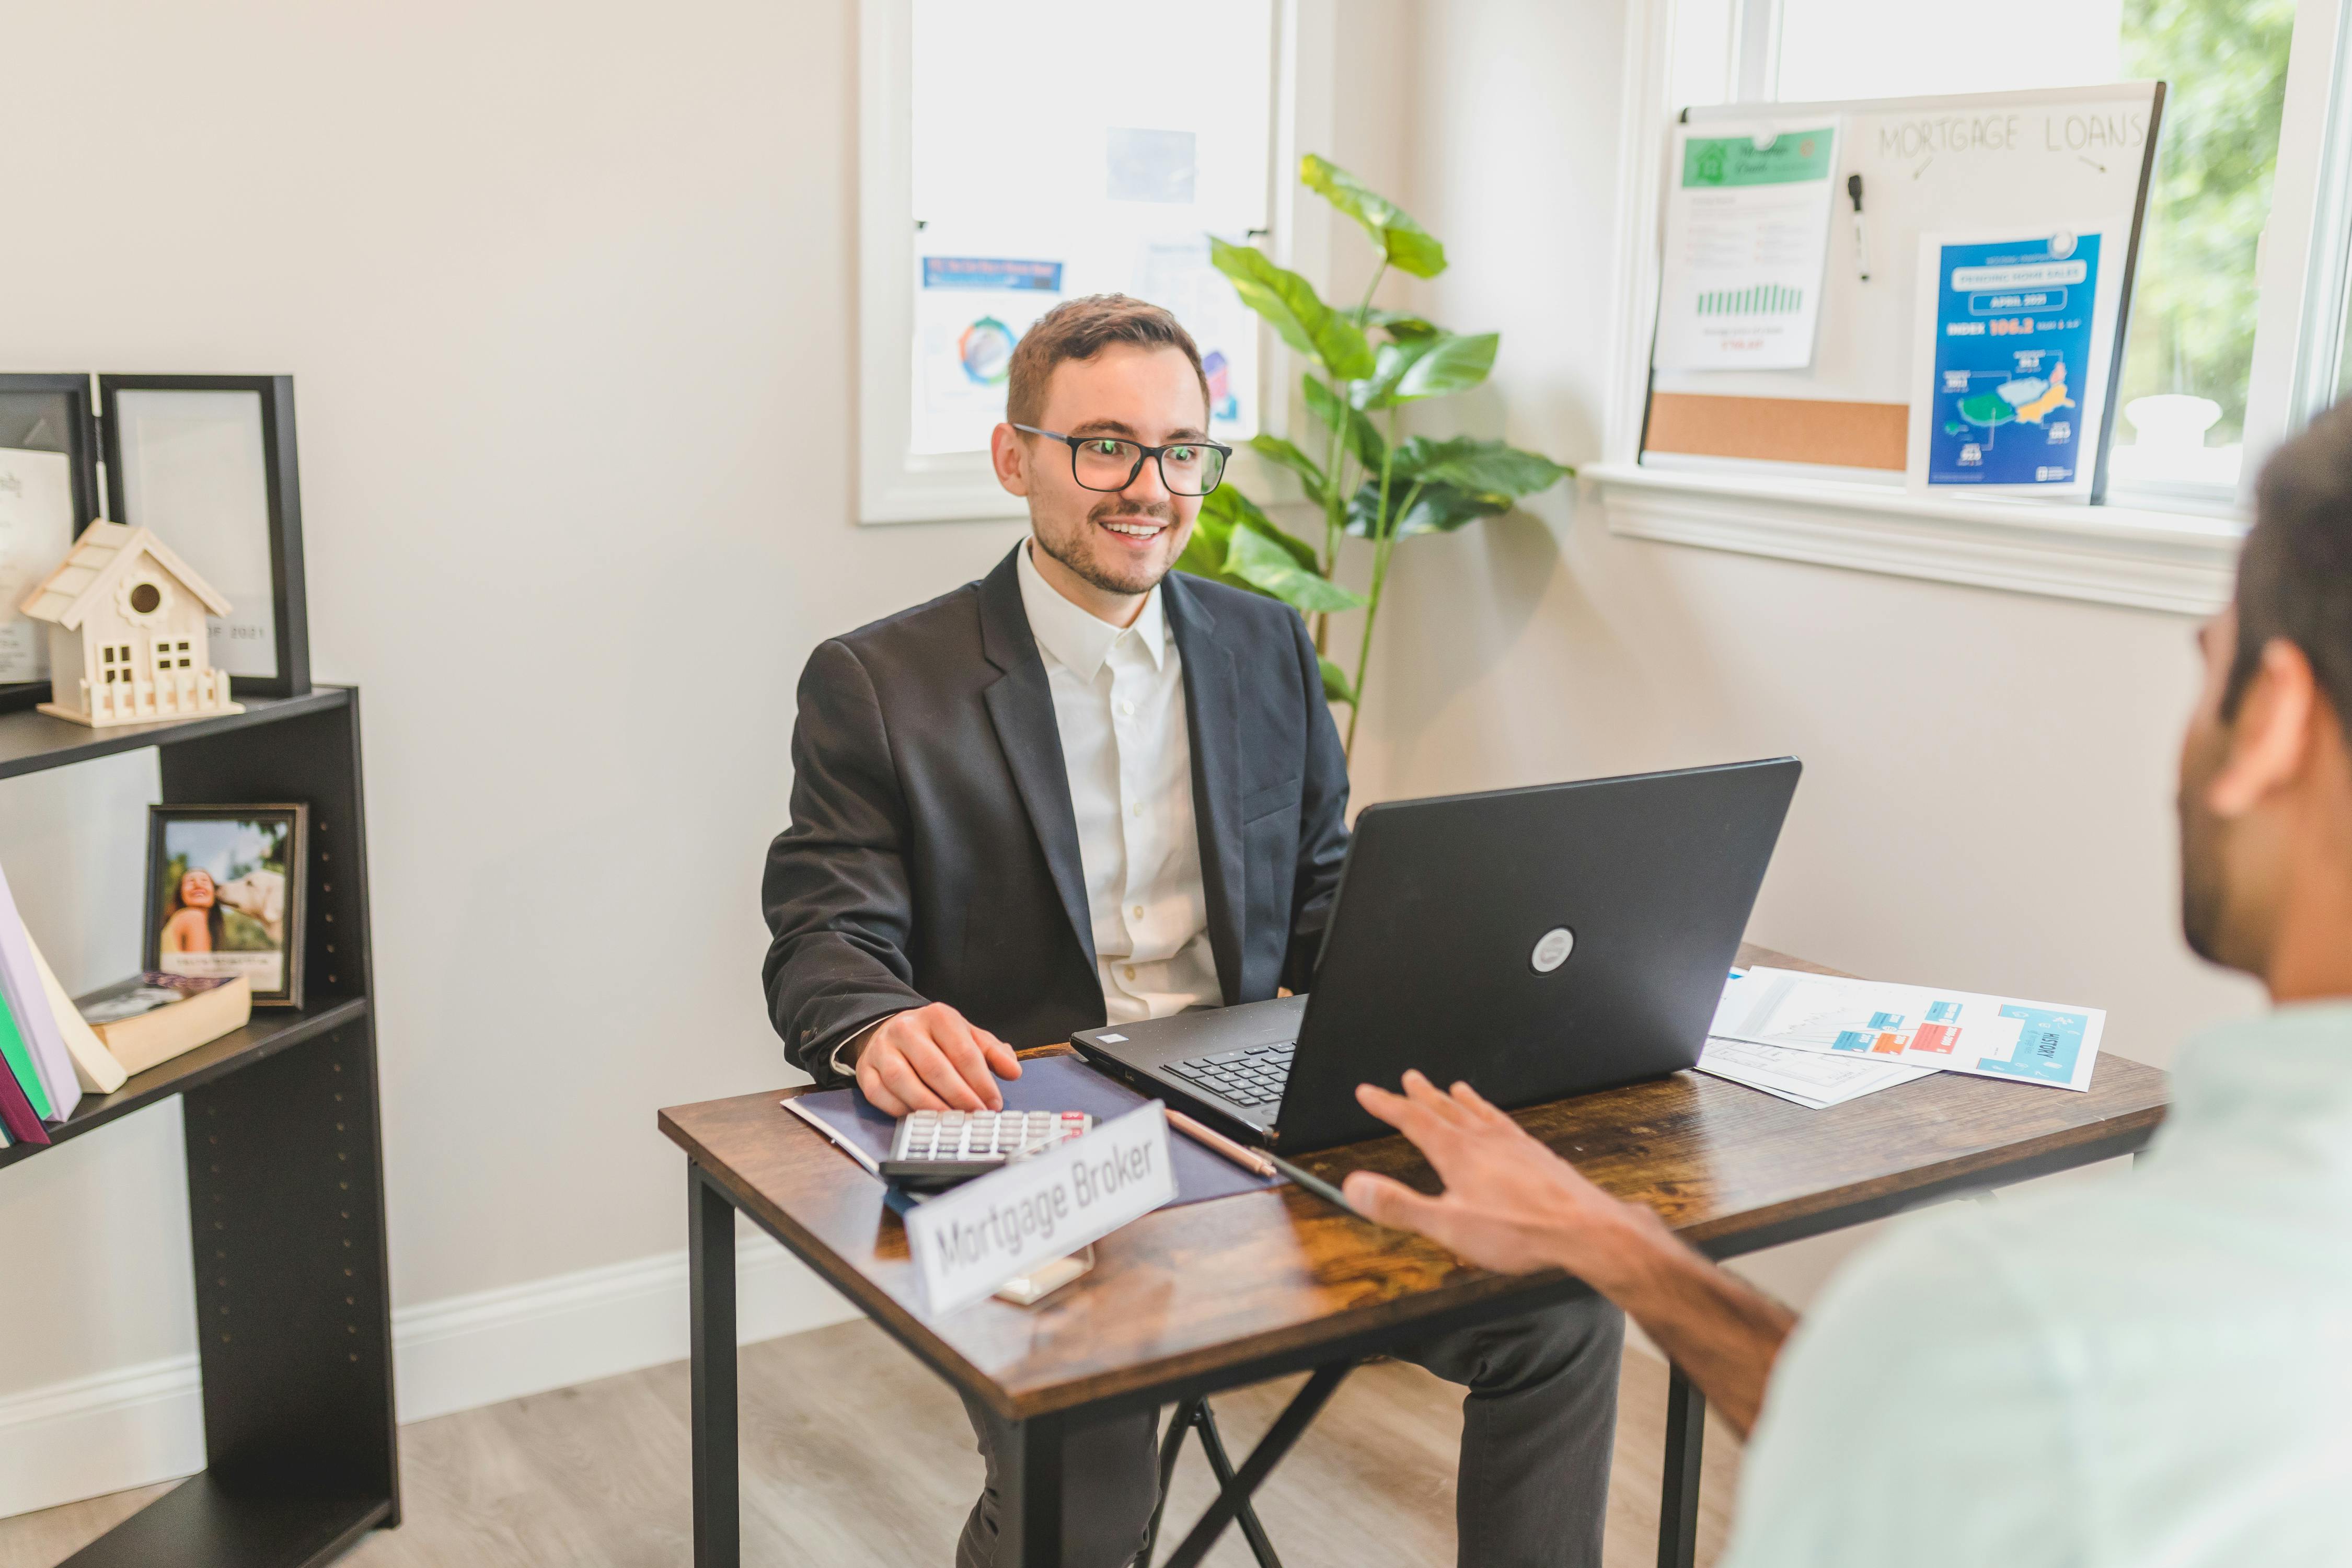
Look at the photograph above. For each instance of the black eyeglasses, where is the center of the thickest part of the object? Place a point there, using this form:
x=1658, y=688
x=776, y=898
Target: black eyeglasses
x=1111, y=463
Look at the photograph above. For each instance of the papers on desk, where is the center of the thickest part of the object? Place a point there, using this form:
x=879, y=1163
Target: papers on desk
x=1813, y=1079
x=1875, y=1022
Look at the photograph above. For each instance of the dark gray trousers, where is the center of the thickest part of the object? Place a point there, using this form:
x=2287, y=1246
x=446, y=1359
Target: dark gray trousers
x=1538, y=1425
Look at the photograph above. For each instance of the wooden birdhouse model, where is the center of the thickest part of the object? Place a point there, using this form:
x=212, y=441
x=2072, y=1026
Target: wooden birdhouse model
x=127, y=636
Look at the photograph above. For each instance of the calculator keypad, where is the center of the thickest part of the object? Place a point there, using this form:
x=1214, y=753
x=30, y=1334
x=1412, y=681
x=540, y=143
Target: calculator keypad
x=966, y=1135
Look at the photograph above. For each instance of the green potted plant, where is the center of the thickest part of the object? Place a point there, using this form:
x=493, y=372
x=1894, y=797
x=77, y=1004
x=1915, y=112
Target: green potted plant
x=1367, y=483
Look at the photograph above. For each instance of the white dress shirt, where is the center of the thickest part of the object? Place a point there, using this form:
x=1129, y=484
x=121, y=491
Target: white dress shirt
x=1119, y=705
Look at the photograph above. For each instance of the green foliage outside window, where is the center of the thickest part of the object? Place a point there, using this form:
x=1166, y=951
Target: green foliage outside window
x=2193, y=327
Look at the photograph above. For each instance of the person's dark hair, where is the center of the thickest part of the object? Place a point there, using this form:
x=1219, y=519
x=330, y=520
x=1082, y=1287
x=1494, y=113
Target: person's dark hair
x=2295, y=574
x=1081, y=329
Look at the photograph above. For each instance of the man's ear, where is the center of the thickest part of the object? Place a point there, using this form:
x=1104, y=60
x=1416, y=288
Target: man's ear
x=1010, y=457
x=2270, y=739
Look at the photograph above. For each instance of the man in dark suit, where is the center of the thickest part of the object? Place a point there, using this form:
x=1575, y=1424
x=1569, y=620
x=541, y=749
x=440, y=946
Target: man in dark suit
x=1084, y=790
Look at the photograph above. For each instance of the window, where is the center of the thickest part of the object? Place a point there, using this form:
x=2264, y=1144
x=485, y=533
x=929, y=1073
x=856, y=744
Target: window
x=1017, y=154
x=2196, y=387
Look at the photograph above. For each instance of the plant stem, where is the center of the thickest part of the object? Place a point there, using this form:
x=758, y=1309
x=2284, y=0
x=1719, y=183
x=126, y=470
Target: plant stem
x=1386, y=541
x=1335, y=494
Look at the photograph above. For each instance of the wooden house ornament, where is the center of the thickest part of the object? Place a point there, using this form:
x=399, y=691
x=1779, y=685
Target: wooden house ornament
x=127, y=634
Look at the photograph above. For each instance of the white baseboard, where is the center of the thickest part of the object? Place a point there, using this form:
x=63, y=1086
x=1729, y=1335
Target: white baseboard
x=135, y=1425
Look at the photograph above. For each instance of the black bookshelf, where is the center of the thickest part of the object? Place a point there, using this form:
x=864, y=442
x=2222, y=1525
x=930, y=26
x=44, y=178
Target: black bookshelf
x=285, y=1153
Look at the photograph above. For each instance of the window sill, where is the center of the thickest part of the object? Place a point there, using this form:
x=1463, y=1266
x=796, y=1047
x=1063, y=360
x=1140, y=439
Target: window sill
x=2102, y=554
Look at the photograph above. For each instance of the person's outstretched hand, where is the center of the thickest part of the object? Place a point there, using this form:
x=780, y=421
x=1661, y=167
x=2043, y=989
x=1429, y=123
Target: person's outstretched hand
x=1509, y=1202
x=932, y=1059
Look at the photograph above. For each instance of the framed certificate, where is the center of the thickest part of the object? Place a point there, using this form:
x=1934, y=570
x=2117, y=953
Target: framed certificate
x=208, y=462
x=48, y=493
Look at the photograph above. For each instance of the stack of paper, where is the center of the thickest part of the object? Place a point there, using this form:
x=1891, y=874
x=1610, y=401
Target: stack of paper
x=1810, y=1079
x=1873, y=1023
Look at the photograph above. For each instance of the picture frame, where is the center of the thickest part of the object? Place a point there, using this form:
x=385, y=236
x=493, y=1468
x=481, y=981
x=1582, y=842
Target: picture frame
x=228, y=893
x=50, y=412
x=210, y=463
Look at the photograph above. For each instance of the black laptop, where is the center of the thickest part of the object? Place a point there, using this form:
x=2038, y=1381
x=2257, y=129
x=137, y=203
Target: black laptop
x=1539, y=943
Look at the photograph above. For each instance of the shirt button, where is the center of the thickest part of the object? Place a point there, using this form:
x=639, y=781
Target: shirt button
x=1137, y=912
x=1137, y=809
x=1127, y=708
x=1128, y=972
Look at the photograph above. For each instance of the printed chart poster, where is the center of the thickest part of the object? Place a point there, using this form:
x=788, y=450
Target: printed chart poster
x=2012, y=360
x=969, y=312
x=1958, y=1031
x=1747, y=236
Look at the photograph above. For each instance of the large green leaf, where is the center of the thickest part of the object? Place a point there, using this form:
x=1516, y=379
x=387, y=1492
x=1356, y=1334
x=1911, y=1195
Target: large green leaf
x=1363, y=438
x=1291, y=304
x=1212, y=539
x=1438, y=508
x=1336, y=686
x=1266, y=566
x=1427, y=367
x=1274, y=449
x=1408, y=247
x=1236, y=509
x=1470, y=464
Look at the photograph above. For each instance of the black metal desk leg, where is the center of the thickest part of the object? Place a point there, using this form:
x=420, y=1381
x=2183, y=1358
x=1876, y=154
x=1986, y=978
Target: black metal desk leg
x=710, y=1270
x=1031, y=1506
x=1678, y=1495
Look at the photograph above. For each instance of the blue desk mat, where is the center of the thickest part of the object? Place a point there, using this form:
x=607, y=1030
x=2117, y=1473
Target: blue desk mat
x=1046, y=1083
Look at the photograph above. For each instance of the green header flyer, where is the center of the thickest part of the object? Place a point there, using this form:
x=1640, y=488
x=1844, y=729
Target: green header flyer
x=1793, y=156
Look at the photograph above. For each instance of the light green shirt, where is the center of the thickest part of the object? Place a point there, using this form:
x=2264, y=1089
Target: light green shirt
x=2156, y=1370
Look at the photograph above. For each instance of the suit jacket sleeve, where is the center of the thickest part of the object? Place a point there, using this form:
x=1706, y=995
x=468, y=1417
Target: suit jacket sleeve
x=1322, y=821
x=837, y=894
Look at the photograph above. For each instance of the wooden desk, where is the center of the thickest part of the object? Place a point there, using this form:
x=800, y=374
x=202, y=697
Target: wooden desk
x=1216, y=1295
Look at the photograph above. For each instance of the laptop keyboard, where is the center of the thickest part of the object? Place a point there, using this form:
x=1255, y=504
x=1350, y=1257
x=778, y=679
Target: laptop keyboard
x=1249, y=1078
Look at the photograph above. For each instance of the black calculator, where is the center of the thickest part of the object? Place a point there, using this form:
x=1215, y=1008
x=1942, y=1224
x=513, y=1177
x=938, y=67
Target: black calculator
x=936, y=1148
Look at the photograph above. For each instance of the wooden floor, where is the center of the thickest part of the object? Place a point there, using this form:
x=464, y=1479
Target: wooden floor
x=854, y=1456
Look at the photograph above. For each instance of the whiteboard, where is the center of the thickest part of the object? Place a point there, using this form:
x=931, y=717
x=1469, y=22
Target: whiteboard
x=2078, y=158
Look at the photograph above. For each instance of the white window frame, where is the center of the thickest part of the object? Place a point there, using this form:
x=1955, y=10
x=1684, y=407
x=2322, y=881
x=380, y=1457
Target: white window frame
x=895, y=485
x=2171, y=561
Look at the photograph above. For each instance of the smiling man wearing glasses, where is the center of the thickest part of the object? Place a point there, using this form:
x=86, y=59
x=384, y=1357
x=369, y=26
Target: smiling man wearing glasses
x=1085, y=790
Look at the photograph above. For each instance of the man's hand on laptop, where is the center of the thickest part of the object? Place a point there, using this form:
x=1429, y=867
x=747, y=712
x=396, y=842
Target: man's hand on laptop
x=932, y=1059
x=1509, y=1202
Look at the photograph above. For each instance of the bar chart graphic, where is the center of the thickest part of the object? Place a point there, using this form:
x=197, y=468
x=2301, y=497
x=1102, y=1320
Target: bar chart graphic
x=1761, y=300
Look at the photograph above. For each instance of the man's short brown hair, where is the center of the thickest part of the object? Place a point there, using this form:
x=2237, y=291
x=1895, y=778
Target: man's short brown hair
x=1080, y=329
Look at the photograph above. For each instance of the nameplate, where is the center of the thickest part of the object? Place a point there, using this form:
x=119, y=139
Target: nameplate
x=967, y=1241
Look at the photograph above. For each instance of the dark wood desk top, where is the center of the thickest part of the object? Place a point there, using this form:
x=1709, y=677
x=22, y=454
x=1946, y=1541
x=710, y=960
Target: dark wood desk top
x=1189, y=1298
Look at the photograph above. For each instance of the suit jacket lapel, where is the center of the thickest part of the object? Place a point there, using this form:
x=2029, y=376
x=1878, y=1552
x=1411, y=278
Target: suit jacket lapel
x=1020, y=706
x=1213, y=718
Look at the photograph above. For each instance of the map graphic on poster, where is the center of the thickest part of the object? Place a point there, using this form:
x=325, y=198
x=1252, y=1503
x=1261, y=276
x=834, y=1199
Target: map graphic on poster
x=1958, y=1031
x=2012, y=356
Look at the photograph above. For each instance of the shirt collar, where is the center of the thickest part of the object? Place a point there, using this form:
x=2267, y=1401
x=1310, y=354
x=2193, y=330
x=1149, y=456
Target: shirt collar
x=1076, y=638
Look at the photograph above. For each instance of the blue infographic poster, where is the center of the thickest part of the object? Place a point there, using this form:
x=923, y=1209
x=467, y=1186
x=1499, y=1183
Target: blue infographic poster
x=2012, y=360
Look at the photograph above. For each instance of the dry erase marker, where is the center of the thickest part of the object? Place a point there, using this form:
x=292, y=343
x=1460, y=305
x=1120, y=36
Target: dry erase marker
x=1860, y=236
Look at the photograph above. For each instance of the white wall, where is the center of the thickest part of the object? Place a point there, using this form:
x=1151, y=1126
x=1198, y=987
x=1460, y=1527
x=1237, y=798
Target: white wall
x=1988, y=777
x=565, y=290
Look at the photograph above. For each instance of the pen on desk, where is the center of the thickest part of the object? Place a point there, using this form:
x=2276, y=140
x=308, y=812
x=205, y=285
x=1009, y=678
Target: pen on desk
x=1249, y=1160
x=1259, y=1163
x=1316, y=1184
x=1860, y=236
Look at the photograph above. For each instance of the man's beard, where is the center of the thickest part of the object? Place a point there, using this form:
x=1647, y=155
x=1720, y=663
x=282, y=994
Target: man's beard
x=1141, y=577
x=2204, y=895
